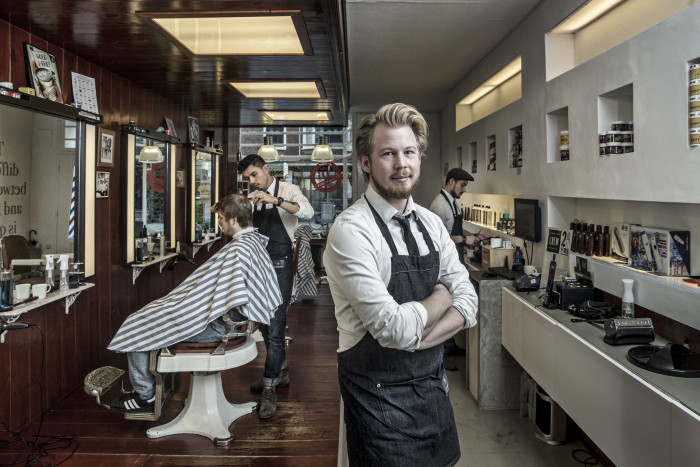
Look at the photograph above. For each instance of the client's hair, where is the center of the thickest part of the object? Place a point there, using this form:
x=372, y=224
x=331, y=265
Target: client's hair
x=235, y=205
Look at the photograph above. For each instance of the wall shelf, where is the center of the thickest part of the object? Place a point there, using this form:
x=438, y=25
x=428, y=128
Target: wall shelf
x=137, y=269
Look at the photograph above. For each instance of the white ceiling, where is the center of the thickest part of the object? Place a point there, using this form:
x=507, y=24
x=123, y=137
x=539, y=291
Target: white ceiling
x=415, y=51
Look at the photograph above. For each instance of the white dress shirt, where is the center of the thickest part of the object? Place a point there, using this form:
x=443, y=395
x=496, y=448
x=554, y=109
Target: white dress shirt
x=445, y=211
x=358, y=264
x=292, y=193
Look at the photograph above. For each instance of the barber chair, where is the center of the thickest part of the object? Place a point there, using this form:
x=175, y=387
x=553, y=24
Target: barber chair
x=16, y=248
x=207, y=412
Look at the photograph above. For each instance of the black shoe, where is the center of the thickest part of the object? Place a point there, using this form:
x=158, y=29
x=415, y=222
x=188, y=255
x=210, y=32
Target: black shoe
x=268, y=403
x=283, y=382
x=132, y=403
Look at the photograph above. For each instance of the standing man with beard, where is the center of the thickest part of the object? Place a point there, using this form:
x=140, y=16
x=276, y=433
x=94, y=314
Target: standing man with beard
x=445, y=205
x=399, y=293
x=277, y=208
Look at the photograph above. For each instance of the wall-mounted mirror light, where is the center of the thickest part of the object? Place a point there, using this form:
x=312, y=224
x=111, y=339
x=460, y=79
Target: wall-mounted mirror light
x=203, y=191
x=47, y=171
x=148, y=188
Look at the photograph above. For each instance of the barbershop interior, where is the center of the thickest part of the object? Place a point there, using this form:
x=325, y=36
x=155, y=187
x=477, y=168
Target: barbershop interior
x=578, y=122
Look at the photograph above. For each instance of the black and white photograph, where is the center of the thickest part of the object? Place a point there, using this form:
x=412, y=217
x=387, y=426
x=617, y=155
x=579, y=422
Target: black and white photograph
x=102, y=185
x=106, y=156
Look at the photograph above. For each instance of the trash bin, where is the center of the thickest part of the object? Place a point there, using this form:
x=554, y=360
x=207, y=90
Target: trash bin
x=549, y=419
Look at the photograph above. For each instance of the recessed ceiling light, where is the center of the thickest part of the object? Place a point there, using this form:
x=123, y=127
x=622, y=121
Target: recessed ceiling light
x=278, y=89
x=586, y=14
x=234, y=34
x=297, y=115
x=500, y=77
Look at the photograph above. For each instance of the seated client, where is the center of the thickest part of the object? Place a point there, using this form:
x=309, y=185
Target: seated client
x=238, y=280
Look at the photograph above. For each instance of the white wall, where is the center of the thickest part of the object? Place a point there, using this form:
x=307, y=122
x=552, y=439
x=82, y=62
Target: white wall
x=658, y=182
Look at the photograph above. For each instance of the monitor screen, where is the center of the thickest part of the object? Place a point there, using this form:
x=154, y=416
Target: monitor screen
x=527, y=219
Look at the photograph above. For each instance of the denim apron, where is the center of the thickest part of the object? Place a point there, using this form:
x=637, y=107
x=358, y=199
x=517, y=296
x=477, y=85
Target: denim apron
x=456, y=227
x=279, y=246
x=397, y=405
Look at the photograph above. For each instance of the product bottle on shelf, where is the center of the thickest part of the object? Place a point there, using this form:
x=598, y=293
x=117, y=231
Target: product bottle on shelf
x=627, y=298
x=590, y=240
x=598, y=242
x=574, y=236
x=582, y=238
x=518, y=260
x=606, y=241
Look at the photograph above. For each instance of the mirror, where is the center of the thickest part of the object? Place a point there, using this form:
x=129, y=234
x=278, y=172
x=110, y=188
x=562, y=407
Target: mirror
x=148, y=188
x=46, y=181
x=203, y=191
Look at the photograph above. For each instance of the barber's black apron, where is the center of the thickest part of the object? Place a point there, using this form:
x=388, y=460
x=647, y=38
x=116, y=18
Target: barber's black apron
x=397, y=405
x=279, y=246
x=456, y=227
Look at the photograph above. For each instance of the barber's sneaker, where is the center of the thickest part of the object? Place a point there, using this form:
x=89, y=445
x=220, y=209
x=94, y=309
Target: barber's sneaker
x=283, y=383
x=268, y=403
x=132, y=403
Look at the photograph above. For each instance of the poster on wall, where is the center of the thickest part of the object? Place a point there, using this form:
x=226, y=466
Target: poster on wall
x=556, y=255
x=42, y=73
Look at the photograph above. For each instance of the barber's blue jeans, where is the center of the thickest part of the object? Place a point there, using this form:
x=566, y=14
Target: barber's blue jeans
x=273, y=334
x=143, y=381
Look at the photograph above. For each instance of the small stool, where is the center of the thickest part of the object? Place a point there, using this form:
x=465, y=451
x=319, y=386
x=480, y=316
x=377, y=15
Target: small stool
x=207, y=412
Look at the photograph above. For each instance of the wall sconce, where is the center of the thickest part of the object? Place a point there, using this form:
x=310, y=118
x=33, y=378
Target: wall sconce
x=151, y=154
x=268, y=151
x=322, y=152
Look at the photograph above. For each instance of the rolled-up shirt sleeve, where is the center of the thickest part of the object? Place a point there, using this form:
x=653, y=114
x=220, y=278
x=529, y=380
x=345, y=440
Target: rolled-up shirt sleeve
x=306, y=211
x=352, y=262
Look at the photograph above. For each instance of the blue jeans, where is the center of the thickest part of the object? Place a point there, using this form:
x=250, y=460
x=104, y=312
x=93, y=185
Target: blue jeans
x=273, y=335
x=143, y=381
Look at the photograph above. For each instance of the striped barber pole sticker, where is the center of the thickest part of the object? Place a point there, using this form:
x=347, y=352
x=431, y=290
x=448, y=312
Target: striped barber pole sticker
x=492, y=155
x=71, y=216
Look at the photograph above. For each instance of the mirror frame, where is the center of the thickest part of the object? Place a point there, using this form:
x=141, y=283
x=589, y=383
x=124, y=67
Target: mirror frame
x=127, y=149
x=84, y=242
x=191, y=200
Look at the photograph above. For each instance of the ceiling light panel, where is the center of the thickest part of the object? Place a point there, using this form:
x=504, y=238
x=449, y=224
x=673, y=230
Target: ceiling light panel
x=278, y=89
x=297, y=115
x=235, y=35
x=586, y=14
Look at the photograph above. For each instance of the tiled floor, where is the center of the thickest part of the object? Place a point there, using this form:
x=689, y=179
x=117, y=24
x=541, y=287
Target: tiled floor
x=495, y=438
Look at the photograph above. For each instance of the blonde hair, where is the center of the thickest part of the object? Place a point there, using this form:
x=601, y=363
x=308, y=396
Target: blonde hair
x=391, y=115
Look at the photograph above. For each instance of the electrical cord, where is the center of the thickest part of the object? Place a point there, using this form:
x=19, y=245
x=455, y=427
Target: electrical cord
x=34, y=449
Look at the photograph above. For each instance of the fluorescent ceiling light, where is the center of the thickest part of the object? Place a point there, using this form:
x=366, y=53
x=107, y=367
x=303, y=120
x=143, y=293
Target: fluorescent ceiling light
x=586, y=14
x=234, y=35
x=500, y=77
x=278, y=89
x=297, y=115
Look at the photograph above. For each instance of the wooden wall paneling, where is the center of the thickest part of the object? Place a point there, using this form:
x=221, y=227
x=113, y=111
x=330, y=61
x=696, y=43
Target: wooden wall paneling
x=20, y=364
x=17, y=67
x=5, y=73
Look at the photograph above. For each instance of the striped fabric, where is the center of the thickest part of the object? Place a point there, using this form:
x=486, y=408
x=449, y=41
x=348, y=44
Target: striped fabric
x=304, y=276
x=71, y=214
x=239, y=275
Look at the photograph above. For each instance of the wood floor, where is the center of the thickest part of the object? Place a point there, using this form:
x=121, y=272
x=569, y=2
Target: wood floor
x=304, y=432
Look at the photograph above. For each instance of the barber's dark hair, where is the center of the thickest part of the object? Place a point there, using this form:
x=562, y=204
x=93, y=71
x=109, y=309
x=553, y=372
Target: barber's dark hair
x=250, y=159
x=391, y=115
x=235, y=205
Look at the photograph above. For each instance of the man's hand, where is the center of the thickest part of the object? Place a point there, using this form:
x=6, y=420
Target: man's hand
x=263, y=197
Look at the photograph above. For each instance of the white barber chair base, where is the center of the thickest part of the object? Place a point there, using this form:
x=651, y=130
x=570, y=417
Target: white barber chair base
x=207, y=412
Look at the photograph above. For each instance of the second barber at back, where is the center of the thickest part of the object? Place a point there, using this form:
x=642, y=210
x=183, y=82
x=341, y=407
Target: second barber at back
x=277, y=208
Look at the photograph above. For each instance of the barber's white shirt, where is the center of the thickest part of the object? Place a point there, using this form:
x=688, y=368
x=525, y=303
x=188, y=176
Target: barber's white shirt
x=290, y=192
x=444, y=210
x=358, y=264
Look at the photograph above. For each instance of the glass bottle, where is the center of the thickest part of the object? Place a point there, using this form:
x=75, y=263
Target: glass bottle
x=627, y=298
x=590, y=240
x=606, y=241
x=598, y=242
x=574, y=231
x=581, y=238
x=518, y=260
x=7, y=286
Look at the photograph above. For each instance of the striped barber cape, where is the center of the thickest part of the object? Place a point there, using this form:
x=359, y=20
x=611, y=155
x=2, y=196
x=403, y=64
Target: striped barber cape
x=239, y=275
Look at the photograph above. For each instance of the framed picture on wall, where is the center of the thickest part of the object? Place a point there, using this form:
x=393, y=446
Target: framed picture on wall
x=171, y=126
x=42, y=73
x=194, y=129
x=102, y=185
x=106, y=156
x=180, y=179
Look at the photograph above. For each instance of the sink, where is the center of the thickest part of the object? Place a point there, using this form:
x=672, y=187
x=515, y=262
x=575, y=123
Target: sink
x=671, y=359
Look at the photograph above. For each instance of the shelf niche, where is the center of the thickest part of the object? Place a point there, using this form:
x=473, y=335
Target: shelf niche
x=490, y=147
x=557, y=121
x=515, y=147
x=616, y=106
x=472, y=157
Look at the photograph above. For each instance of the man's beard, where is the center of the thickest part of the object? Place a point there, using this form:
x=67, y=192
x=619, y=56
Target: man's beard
x=402, y=191
x=454, y=194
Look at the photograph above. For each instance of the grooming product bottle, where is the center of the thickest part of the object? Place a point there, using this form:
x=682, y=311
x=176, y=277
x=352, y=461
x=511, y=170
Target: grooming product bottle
x=574, y=236
x=63, y=261
x=606, y=241
x=627, y=298
x=598, y=241
x=582, y=238
x=162, y=245
x=590, y=240
x=7, y=286
x=49, y=270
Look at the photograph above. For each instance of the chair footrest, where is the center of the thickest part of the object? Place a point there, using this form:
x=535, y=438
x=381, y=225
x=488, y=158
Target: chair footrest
x=99, y=381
